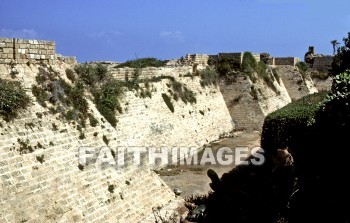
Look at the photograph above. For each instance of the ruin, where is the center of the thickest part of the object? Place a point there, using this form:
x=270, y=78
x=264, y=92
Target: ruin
x=318, y=62
x=55, y=188
x=33, y=51
x=203, y=59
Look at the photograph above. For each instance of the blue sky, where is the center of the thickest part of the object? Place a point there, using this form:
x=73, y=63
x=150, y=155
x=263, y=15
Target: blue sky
x=115, y=30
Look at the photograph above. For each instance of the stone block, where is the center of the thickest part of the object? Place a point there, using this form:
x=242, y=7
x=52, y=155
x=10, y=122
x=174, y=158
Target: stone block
x=33, y=51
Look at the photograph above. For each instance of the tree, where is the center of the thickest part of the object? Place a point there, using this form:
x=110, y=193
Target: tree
x=341, y=60
x=334, y=43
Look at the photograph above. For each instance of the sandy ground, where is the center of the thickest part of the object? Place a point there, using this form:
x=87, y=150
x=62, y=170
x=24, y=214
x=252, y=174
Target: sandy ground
x=193, y=179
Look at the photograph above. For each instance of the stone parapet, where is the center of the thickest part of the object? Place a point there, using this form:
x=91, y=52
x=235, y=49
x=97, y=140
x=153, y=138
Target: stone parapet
x=23, y=51
x=283, y=61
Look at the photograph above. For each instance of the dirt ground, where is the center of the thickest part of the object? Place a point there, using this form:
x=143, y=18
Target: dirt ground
x=193, y=179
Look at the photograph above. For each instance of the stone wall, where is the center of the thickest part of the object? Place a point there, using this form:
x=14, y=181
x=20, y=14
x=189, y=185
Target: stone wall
x=197, y=59
x=238, y=57
x=22, y=51
x=249, y=102
x=296, y=85
x=282, y=61
x=149, y=72
x=47, y=184
x=322, y=63
x=245, y=111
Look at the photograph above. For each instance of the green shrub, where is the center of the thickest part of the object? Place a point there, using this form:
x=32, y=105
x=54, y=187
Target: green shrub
x=25, y=147
x=208, y=76
x=41, y=95
x=168, y=102
x=227, y=65
x=261, y=69
x=107, y=100
x=75, y=96
x=188, y=96
x=142, y=63
x=249, y=64
x=302, y=66
x=341, y=60
x=341, y=85
x=93, y=120
x=101, y=72
x=70, y=74
x=90, y=74
x=178, y=90
x=13, y=99
x=291, y=124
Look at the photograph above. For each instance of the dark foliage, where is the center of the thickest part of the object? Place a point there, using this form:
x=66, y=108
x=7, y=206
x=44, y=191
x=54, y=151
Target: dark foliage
x=13, y=99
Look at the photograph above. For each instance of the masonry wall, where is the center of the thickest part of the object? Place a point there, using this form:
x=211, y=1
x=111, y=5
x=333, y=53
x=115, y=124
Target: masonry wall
x=249, y=102
x=281, y=61
x=238, y=57
x=197, y=59
x=56, y=189
x=246, y=112
x=149, y=72
x=296, y=85
x=22, y=50
x=322, y=63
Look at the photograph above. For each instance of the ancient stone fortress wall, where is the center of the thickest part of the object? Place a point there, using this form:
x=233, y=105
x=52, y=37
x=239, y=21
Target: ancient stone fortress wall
x=23, y=50
x=197, y=58
x=238, y=56
x=283, y=61
x=149, y=72
x=202, y=59
x=46, y=184
x=322, y=63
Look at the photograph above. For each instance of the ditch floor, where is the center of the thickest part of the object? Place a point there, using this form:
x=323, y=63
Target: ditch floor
x=193, y=179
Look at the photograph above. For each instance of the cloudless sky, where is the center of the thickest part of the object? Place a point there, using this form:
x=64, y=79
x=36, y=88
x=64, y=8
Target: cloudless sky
x=116, y=30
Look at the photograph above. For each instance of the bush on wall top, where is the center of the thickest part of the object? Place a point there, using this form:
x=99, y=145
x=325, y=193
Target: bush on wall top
x=142, y=63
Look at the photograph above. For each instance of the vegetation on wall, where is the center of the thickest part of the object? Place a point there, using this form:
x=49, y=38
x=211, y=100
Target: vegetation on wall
x=209, y=76
x=107, y=99
x=302, y=66
x=67, y=99
x=249, y=63
x=315, y=129
x=230, y=68
x=168, y=102
x=226, y=65
x=142, y=63
x=13, y=99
